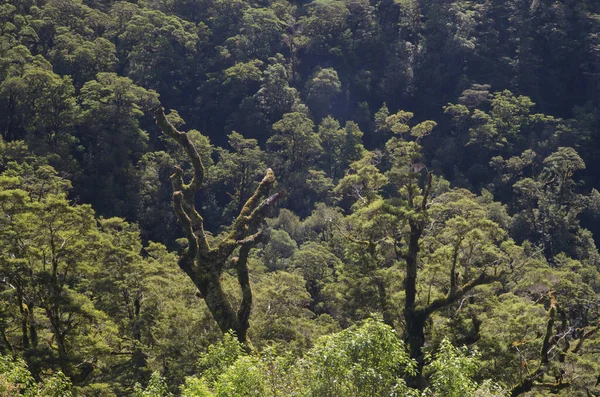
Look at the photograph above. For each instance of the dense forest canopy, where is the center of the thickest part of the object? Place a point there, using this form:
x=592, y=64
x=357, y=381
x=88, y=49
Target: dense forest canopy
x=342, y=198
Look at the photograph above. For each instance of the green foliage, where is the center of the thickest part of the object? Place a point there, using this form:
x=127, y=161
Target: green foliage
x=281, y=248
x=495, y=101
x=245, y=378
x=15, y=379
x=195, y=387
x=157, y=387
x=452, y=371
x=219, y=357
x=112, y=140
x=281, y=316
x=57, y=385
x=359, y=361
x=321, y=89
x=295, y=143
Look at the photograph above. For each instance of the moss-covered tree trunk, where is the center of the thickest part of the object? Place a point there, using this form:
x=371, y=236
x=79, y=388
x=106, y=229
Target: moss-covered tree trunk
x=203, y=263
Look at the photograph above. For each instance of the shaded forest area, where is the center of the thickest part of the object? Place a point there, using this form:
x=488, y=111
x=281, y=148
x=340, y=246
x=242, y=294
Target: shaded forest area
x=344, y=198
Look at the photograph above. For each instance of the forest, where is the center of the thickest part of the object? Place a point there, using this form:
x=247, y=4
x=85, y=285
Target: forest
x=326, y=198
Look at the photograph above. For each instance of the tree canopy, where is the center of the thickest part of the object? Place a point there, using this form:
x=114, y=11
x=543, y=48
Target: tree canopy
x=343, y=198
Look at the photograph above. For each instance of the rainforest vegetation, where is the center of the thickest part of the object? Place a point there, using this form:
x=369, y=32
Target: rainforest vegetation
x=327, y=198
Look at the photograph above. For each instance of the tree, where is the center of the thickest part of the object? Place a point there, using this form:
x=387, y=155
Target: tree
x=317, y=265
x=326, y=33
x=322, y=88
x=111, y=141
x=275, y=96
x=82, y=59
x=121, y=287
x=550, y=207
x=452, y=374
x=204, y=263
x=49, y=253
x=556, y=332
x=154, y=212
x=341, y=146
x=39, y=107
x=295, y=144
x=159, y=51
x=496, y=250
x=259, y=37
x=443, y=239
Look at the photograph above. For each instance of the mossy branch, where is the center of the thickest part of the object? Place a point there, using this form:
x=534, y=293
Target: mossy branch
x=184, y=140
x=251, y=215
x=548, y=337
x=241, y=267
x=457, y=294
x=187, y=260
x=203, y=264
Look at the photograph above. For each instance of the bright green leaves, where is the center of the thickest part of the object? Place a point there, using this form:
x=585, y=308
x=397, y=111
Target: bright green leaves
x=15, y=379
x=550, y=207
x=219, y=357
x=461, y=243
x=395, y=123
x=109, y=92
x=74, y=287
x=562, y=164
x=229, y=370
x=363, y=181
x=48, y=248
x=360, y=361
x=363, y=360
x=157, y=387
x=281, y=316
x=423, y=129
x=243, y=72
x=509, y=112
x=453, y=371
x=502, y=122
x=244, y=378
x=452, y=374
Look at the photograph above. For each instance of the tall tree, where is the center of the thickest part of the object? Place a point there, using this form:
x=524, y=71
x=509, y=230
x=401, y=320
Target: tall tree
x=205, y=263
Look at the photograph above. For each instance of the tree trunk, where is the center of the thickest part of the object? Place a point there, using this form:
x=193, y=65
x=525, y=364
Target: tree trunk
x=33, y=327
x=415, y=338
x=383, y=303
